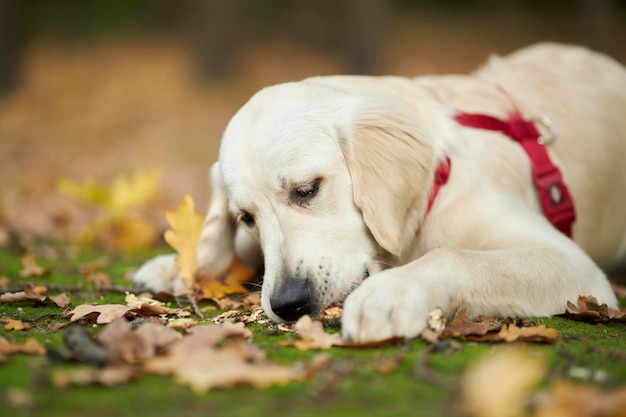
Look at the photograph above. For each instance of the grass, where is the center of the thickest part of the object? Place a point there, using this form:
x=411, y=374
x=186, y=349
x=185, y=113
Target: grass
x=424, y=383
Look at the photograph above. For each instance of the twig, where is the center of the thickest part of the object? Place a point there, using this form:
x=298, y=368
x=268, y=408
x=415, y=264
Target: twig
x=194, y=303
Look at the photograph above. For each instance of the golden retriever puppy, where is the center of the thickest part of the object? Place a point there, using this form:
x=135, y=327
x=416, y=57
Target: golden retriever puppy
x=395, y=196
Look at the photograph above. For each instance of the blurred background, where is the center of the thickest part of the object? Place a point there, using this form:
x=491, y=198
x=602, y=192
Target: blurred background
x=98, y=88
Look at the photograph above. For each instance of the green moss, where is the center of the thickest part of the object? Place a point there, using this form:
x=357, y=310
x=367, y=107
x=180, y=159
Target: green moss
x=424, y=382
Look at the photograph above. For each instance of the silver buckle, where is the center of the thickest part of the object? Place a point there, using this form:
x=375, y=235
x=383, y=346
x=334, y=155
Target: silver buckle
x=548, y=124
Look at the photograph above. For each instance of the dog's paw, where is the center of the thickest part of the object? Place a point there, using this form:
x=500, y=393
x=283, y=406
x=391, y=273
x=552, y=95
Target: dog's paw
x=386, y=305
x=158, y=274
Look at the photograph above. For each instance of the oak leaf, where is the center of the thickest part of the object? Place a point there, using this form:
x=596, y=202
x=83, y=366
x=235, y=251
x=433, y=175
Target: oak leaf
x=31, y=346
x=589, y=310
x=16, y=325
x=104, y=313
x=30, y=267
x=186, y=226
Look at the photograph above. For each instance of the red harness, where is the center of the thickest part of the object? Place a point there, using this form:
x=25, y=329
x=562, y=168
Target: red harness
x=554, y=196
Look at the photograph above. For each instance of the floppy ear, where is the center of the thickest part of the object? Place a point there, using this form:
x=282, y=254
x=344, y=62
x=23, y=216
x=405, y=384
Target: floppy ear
x=216, y=246
x=390, y=165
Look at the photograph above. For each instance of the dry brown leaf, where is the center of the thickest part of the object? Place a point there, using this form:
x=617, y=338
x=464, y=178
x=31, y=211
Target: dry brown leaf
x=249, y=301
x=15, y=325
x=313, y=336
x=148, y=306
x=462, y=327
x=488, y=329
x=21, y=296
x=186, y=226
x=589, y=310
x=105, y=313
x=61, y=300
x=30, y=267
x=109, y=376
x=31, y=346
x=127, y=345
x=497, y=384
x=35, y=295
x=215, y=356
x=98, y=279
x=566, y=399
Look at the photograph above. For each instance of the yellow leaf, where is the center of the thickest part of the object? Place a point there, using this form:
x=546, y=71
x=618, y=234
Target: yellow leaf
x=89, y=192
x=218, y=287
x=186, y=226
x=128, y=192
x=498, y=384
x=125, y=193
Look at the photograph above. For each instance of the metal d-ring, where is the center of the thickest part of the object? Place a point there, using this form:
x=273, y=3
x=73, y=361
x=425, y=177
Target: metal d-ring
x=548, y=124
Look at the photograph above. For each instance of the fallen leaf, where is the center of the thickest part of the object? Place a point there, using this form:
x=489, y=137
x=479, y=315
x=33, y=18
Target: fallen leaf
x=119, y=227
x=35, y=295
x=564, y=398
x=31, y=346
x=148, y=306
x=21, y=296
x=313, y=336
x=539, y=334
x=109, y=376
x=248, y=301
x=61, y=300
x=215, y=356
x=489, y=329
x=230, y=283
x=16, y=325
x=125, y=193
x=463, y=328
x=497, y=384
x=588, y=309
x=126, y=344
x=98, y=279
x=105, y=313
x=30, y=267
x=186, y=226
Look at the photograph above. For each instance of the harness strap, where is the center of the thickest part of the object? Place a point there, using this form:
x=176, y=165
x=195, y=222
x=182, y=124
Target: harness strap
x=554, y=196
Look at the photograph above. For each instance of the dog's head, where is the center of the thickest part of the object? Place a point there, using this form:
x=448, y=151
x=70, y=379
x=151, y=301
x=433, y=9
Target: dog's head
x=330, y=183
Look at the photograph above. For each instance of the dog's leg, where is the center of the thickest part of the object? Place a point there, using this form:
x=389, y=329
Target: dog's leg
x=215, y=252
x=528, y=279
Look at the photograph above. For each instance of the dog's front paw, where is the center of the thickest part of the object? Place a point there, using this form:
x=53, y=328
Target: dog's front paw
x=158, y=274
x=386, y=305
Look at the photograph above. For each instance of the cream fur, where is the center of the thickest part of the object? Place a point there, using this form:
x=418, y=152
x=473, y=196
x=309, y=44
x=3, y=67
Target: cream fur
x=373, y=144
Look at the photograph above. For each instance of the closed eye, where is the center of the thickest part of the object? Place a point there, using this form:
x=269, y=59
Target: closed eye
x=246, y=218
x=302, y=194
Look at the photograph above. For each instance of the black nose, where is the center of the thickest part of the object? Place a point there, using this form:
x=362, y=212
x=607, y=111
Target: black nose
x=291, y=301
